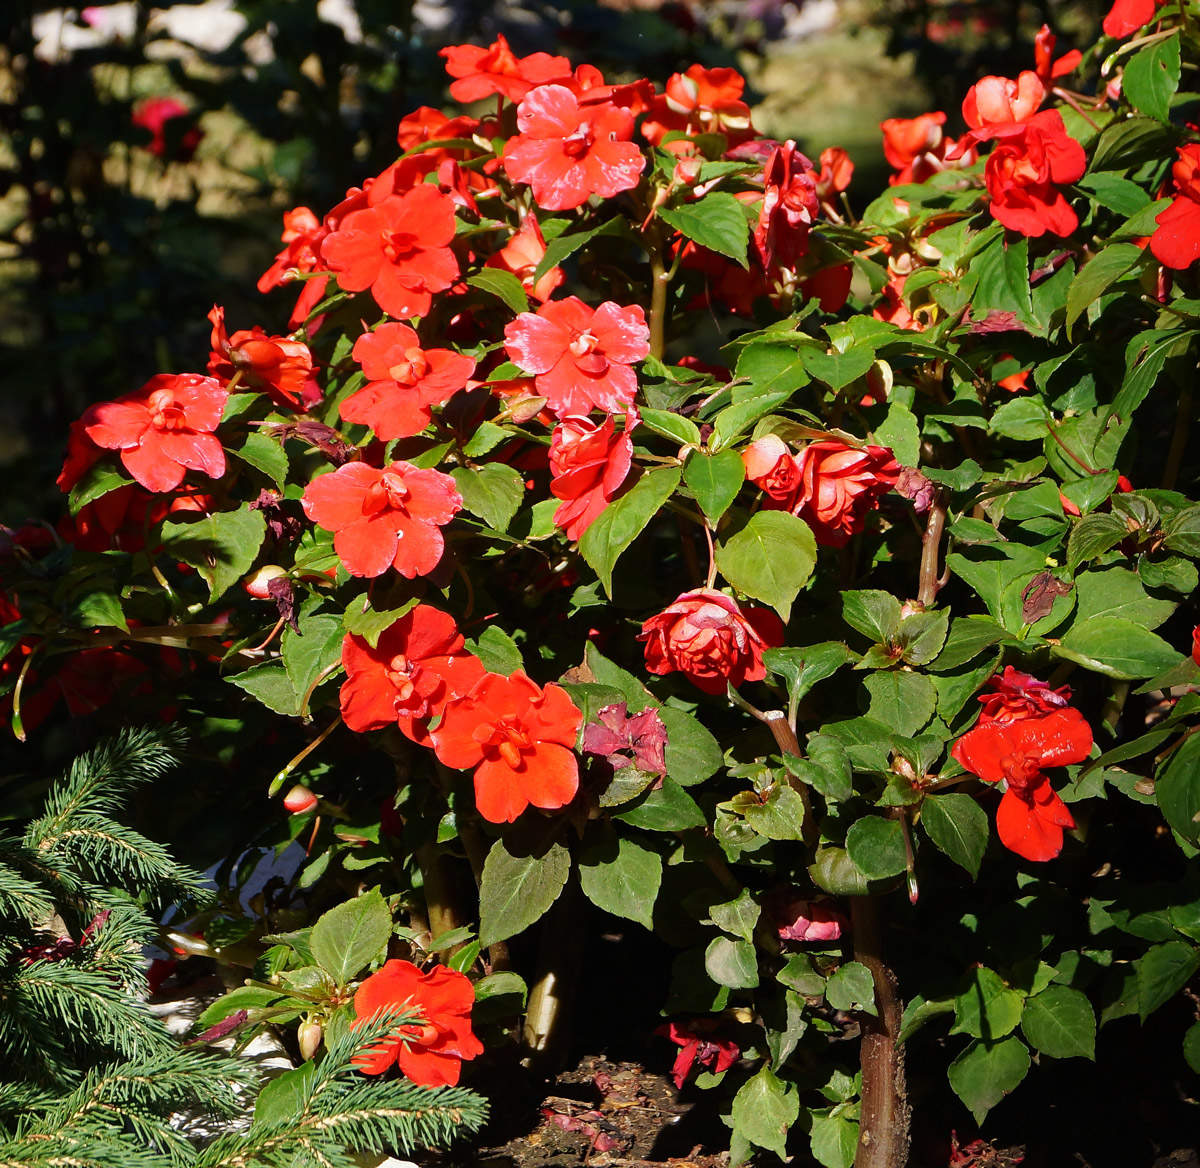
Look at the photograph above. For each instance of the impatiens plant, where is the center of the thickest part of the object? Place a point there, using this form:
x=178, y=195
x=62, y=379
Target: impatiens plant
x=629, y=517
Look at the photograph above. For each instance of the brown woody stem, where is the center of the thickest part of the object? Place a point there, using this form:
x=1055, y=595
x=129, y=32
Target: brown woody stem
x=660, y=280
x=883, y=1135
x=547, y=1016
x=931, y=547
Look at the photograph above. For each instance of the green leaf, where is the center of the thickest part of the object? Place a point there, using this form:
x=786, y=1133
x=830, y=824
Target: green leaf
x=903, y=701
x=1181, y=532
x=833, y=1140
x=693, y=754
x=606, y=672
x=1162, y=972
x=1022, y=418
x=241, y=998
x=771, y=367
x=901, y=433
x=836, y=369
x=739, y=417
x=1090, y=491
x=1117, y=648
x=499, y=996
x=285, y=1097
x=876, y=847
x=1060, y=1022
x=221, y=546
x=558, y=249
x=987, y=1071
x=621, y=877
x=670, y=808
x=1178, y=789
x=958, y=826
x=732, y=963
x=1118, y=592
x=873, y=613
x=714, y=479
x=1117, y=194
x=986, y=1008
x=487, y=437
x=269, y=683
x=624, y=519
x=921, y=636
x=802, y=668
x=351, y=935
x=502, y=284
x=674, y=426
x=1191, y=1047
x=371, y=624
x=263, y=453
x=834, y=872
x=308, y=653
x=98, y=480
x=1094, y=278
x=771, y=558
x=1003, y=272
x=1130, y=141
x=497, y=650
x=764, y=1109
x=517, y=889
x=717, y=221
x=1092, y=536
x=492, y=491
x=1151, y=78
x=968, y=637
x=737, y=916
x=851, y=987
x=780, y=816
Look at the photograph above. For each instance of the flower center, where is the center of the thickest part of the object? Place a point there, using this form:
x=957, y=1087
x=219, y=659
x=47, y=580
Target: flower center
x=1021, y=770
x=507, y=738
x=403, y=674
x=576, y=145
x=584, y=347
x=399, y=245
x=411, y=369
x=389, y=494
x=165, y=411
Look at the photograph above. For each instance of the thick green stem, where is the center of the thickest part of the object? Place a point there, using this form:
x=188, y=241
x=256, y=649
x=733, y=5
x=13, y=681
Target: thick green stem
x=883, y=1135
x=442, y=900
x=660, y=281
x=548, y=1014
x=931, y=547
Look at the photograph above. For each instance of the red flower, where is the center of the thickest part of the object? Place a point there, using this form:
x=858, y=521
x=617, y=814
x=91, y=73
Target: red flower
x=384, y=518
x=835, y=174
x=589, y=463
x=417, y=666
x=398, y=247
x=1045, y=66
x=581, y=356
x=302, y=233
x=568, y=152
x=1176, y=241
x=1031, y=816
x=1196, y=644
x=431, y=1049
x=638, y=740
x=153, y=114
x=788, y=209
x=280, y=366
x=700, y=1045
x=701, y=101
x=999, y=101
x=918, y=147
x=839, y=485
x=427, y=124
x=797, y=918
x=772, y=467
x=519, y=738
x=521, y=256
x=1015, y=695
x=405, y=381
x=1021, y=173
x=496, y=69
x=1128, y=16
x=163, y=429
x=707, y=637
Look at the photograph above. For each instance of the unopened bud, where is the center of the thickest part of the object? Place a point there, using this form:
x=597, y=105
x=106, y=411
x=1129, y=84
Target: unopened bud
x=299, y=799
x=687, y=171
x=258, y=584
x=525, y=409
x=309, y=1037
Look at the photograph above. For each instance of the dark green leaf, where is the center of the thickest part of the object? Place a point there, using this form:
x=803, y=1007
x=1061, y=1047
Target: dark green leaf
x=873, y=613
x=1178, y=789
x=502, y=284
x=1162, y=972
x=1092, y=536
x=493, y=492
x=803, y=667
x=985, y=1072
x=764, y=1110
x=836, y=369
x=717, y=221
x=732, y=963
x=1116, y=647
x=220, y=546
x=958, y=826
x=517, y=889
x=693, y=754
x=622, y=877
x=497, y=650
x=350, y=935
x=985, y=1007
x=1094, y=278
x=1060, y=1022
x=904, y=701
x=623, y=520
x=1151, y=78
x=714, y=480
x=851, y=987
x=876, y=847
x=263, y=453
x=674, y=426
x=771, y=558
x=670, y=808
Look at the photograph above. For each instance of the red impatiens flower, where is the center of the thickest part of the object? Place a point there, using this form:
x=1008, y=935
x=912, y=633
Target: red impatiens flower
x=431, y=1049
x=416, y=667
x=1176, y=241
x=637, y=740
x=398, y=247
x=163, y=429
x=405, y=381
x=701, y=101
x=589, y=463
x=1196, y=644
x=426, y=124
x=581, y=357
x=519, y=738
x=999, y=101
x=789, y=207
x=1045, y=66
x=1031, y=816
x=837, y=169
x=707, y=637
x=283, y=368
x=1014, y=695
x=772, y=467
x=1128, y=16
x=521, y=256
x=154, y=114
x=798, y=918
x=302, y=235
x=918, y=147
x=568, y=152
x=384, y=518
x=700, y=1045
x=480, y=72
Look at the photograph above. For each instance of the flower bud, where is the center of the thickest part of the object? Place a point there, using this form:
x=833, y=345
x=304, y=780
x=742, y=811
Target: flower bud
x=309, y=1037
x=257, y=584
x=525, y=409
x=299, y=799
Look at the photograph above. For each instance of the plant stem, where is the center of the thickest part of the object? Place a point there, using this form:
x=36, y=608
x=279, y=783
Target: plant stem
x=883, y=1136
x=931, y=548
x=660, y=280
x=1179, y=440
x=442, y=902
x=547, y=1016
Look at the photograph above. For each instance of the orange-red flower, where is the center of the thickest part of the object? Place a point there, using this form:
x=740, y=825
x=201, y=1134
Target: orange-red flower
x=302, y=235
x=589, y=463
x=283, y=368
x=521, y=255
x=1013, y=695
x=382, y=519
x=398, y=247
x=163, y=429
x=789, y=207
x=1044, y=64
x=520, y=740
x=581, y=357
x=1176, y=240
x=405, y=381
x=701, y=101
x=568, y=152
x=772, y=467
x=416, y=667
x=479, y=72
x=699, y=1044
x=1031, y=816
x=707, y=637
x=431, y=1049
x=1128, y=16
x=918, y=147
x=1196, y=644
x=998, y=101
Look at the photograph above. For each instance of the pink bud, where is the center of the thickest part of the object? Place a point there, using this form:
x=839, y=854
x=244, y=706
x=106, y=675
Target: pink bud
x=299, y=799
x=257, y=585
x=309, y=1037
